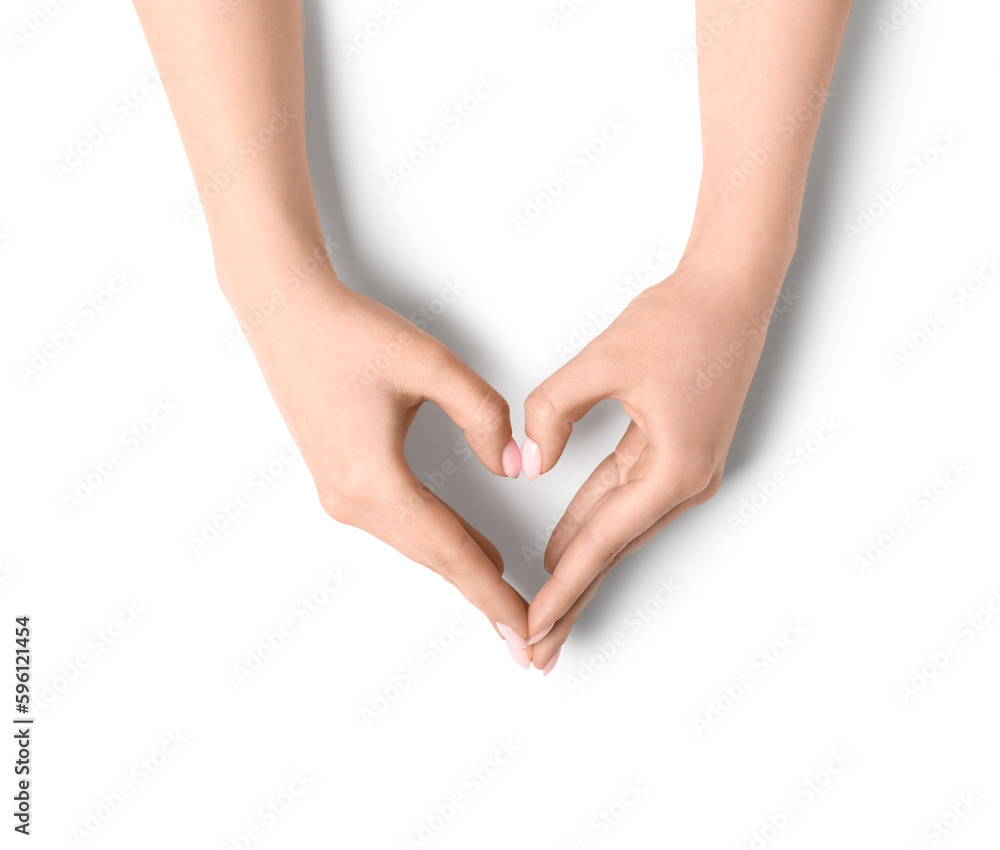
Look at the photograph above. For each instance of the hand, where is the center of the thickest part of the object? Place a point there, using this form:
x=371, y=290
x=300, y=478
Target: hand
x=348, y=375
x=679, y=359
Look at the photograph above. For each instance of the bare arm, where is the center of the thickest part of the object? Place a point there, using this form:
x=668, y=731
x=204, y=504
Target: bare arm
x=235, y=82
x=762, y=85
x=347, y=373
x=681, y=356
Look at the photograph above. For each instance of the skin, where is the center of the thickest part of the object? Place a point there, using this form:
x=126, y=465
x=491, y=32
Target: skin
x=347, y=373
x=230, y=72
x=771, y=59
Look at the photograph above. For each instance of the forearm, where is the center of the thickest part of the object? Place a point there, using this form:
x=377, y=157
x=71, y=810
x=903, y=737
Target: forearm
x=235, y=82
x=762, y=82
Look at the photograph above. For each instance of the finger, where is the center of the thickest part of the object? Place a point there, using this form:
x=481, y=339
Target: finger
x=593, y=490
x=483, y=542
x=443, y=544
x=546, y=648
x=609, y=473
x=624, y=513
x=478, y=409
x=555, y=405
x=388, y=532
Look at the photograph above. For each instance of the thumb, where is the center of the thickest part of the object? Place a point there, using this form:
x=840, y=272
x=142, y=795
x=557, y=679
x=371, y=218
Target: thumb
x=553, y=407
x=480, y=411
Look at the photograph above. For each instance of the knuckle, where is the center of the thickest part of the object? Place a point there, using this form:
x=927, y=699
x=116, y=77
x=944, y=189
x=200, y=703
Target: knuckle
x=447, y=561
x=330, y=502
x=613, y=474
x=598, y=544
x=713, y=486
x=493, y=412
x=355, y=483
x=539, y=405
x=609, y=348
x=336, y=506
x=388, y=493
x=694, y=475
x=434, y=356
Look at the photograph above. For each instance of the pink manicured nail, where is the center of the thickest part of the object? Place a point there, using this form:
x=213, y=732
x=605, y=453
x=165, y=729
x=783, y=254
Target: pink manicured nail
x=540, y=635
x=552, y=662
x=511, y=460
x=531, y=459
x=512, y=637
x=518, y=654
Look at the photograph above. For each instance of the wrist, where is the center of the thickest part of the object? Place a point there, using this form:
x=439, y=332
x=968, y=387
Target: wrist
x=748, y=256
x=262, y=219
x=254, y=273
x=754, y=270
x=752, y=224
x=260, y=236
x=736, y=268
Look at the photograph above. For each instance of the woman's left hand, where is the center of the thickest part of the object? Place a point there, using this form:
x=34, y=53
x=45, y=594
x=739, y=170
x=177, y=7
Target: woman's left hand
x=679, y=359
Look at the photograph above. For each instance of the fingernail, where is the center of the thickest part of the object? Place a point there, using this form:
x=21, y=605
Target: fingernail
x=511, y=460
x=512, y=637
x=518, y=654
x=531, y=459
x=540, y=635
x=552, y=662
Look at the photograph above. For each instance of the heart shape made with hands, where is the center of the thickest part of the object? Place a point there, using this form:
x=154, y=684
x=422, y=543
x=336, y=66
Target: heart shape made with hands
x=576, y=565
x=349, y=375
x=660, y=360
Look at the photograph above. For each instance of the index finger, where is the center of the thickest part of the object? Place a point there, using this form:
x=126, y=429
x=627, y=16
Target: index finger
x=443, y=543
x=625, y=513
x=621, y=515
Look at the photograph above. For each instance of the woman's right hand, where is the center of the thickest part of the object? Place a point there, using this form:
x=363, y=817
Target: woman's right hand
x=348, y=375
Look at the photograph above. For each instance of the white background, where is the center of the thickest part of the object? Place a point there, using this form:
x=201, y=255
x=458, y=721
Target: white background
x=110, y=688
